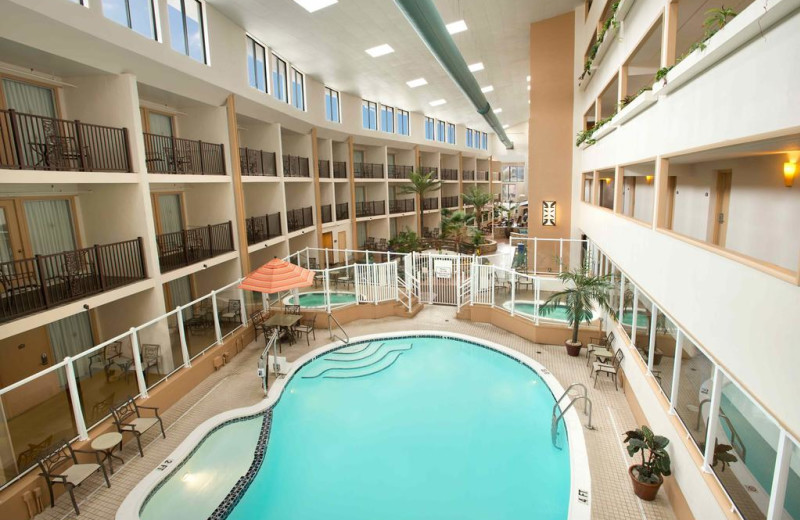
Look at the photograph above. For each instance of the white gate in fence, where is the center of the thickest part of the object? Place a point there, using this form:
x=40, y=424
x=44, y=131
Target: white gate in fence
x=439, y=278
x=376, y=283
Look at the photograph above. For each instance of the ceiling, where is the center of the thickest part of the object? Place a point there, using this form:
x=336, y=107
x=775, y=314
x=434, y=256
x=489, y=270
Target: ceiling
x=329, y=46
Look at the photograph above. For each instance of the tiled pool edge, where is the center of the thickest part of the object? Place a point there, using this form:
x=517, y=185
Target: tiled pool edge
x=580, y=479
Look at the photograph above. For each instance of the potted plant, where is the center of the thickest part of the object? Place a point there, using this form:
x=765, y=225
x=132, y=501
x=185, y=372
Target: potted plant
x=648, y=476
x=584, y=291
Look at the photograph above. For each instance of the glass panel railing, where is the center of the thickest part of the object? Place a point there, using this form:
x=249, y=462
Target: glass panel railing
x=791, y=502
x=664, y=352
x=694, y=385
x=199, y=326
x=229, y=309
x=160, y=349
x=643, y=320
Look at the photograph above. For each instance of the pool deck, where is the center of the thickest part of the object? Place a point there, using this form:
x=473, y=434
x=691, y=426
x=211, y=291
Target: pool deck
x=235, y=385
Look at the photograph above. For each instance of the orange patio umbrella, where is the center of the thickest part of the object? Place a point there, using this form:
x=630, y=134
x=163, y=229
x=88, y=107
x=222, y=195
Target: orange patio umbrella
x=277, y=276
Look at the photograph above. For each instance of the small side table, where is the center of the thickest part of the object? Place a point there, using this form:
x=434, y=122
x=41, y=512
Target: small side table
x=106, y=443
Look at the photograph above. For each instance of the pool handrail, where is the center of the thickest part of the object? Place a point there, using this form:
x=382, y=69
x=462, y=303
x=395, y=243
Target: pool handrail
x=587, y=410
x=330, y=330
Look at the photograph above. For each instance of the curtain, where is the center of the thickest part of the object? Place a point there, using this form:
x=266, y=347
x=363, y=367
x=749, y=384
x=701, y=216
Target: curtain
x=69, y=337
x=29, y=99
x=6, y=253
x=169, y=211
x=180, y=292
x=50, y=226
x=160, y=124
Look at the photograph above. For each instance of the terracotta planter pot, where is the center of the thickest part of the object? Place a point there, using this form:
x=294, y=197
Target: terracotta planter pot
x=644, y=490
x=573, y=349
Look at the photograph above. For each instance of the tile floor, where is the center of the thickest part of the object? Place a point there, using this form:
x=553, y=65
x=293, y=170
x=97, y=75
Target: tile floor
x=235, y=386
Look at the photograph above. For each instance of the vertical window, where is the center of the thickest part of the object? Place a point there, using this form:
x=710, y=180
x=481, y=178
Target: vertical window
x=279, y=89
x=298, y=89
x=429, y=128
x=134, y=14
x=469, y=137
x=256, y=65
x=369, y=114
x=402, y=122
x=440, y=131
x=484, y=141
x=186, y=28
x=332, y=105
x=387, y=119
x=451, y=133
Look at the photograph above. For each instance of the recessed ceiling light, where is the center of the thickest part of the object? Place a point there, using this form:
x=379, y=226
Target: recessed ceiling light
x=529, y=87
x=314, y=5
x=438, y=102
x=497, y=110
x=456, y=27
x=475, y=67
x=414, y=83
x=380, y=50
x=505, y=126
x=487, y=89
x=528, y=79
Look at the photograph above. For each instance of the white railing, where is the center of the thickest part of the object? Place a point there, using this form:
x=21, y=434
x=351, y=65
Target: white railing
x=548, y=256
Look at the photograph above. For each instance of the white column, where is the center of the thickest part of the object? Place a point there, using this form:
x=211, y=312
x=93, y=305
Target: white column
x=491, y=283
x=537, y=296
x=430, y=278
x=326, y=277
x=535, y=252
x=780, y=477
x=676, y=372
x=137, y=363
x=242, y=306
x=215, y=310
x=621, y=296
x=713, y=419
x=560, y=254
x=75, y=398
x=513, y=290
x=182, y=334
x=635, y=316
x=651, y=348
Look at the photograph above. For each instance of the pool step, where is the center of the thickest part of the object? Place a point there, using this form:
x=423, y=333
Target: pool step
x=376, y=360
x=357, y=355
x=355, y=349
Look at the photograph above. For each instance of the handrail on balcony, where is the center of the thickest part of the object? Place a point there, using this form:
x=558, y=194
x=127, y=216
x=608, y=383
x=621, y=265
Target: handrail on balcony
x=46, y=281
x=174, y=155
x=295, y=166
x=263, y=227
x=449, y=174
x=401, y=205
x=450, y=202
x=339, y=170
x=297, y=219
x=368, y=170
x=430, y=203
x=342, y=211
x=324, y=168
x=400, y=171
x=31, y=142
x=257, y=162
x=468, y=175
x=187, y=246
x=326, y=213
x=370, y=208
x=425, y=170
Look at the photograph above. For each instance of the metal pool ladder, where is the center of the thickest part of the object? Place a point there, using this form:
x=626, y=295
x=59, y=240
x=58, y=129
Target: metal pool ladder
x=346, y=339
x=558, y=414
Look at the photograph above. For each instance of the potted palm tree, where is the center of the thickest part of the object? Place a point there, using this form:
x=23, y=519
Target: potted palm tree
x=477, y=198
x=455, y=226
x=648, y=476
x=583, y=292
x=420, y=184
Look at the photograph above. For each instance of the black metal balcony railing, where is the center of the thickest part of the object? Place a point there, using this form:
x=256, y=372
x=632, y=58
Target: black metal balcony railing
x=449, y=174
x=450, y=202
x=324, y=168
x=342, y=211
x=326, y=213
x=46, y=281
x=370, y=208
x=29, y=142
x=164, y=154
x=263, y=228
x=185, y=247
x=482, y=176
x=430, y=203
x=468, y=175
x=339, y=170
x=400, y=171
x=299, y=218
x=367, y=171
x=295, y=166
x=401, y=205
x=257, y=162
x=433, y=170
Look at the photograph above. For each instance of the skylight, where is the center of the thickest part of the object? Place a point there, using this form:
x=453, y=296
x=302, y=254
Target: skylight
x=456, y=27
x=438, y=102
x=314, y=5
x=475, y=67
x=380, y=50
x=414, y=83
x=487, y=88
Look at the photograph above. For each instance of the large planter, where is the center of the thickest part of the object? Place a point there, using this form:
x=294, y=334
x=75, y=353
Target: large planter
x=644, y=490
x=573, y=349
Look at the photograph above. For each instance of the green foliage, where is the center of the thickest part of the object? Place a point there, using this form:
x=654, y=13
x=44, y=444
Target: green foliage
x=477, y=198
x=601, y=34
x=722, y=455
x=405, y=242
x=455, y=226
x=420, y=184
x=652, y=448
x=586, y=135
x=584, y=290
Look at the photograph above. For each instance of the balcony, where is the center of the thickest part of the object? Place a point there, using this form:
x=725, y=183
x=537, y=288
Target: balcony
x=295, y=166
x=297, y=219
x=450, y=202
x=468, y=175
x=172, y=155
x=258, y=162
x=482, y=176
x=185, y=247
x=46, y=281
x=324, y=168
x=327, y=214
x=342, y=211
x=401, y=206
x=430, y=203
x=263, y=228
x=433, y=170
x=32, y=142
x=367, y=171
x=449, y=174
x=339, y=170
x=399, y=171
x=370, y=209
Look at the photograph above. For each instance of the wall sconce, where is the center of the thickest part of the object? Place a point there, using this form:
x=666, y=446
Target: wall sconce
x=649, y=179
x=548, y=213
x=607, y=179
x=789, y=171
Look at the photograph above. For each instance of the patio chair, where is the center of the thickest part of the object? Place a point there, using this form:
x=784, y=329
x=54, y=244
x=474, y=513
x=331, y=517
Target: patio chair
x=128, y=419
x=17, y=286
x=312, y=263
x=28, y=457
x=60, y=466
x=102, y=406
x=257, y=318
x=151, y=352
x=292, y=309
x=382, y=245
x=234, y=312
x=106, y=357
x=610, y=369
x=306, y=326
x=598, y=343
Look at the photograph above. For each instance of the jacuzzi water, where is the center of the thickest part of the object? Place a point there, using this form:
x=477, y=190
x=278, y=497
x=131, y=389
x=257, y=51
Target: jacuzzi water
x=406, y=428
x=317, y=299
x=558, y=313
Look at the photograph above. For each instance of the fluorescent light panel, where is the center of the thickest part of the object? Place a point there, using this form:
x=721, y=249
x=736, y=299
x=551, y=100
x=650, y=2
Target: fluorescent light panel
x=456, y=27
x=380, y=50
x=314, y=5
x=488, y=88
x=438, y=102
x=414, y=83
x=505, y=126
x=475, y=67
x=497, y=110
x=528, y=79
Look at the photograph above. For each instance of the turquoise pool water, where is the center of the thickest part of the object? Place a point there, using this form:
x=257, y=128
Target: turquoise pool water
x=559, y=313
x=407, y=428
x=317, y=299
x=642, y=319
